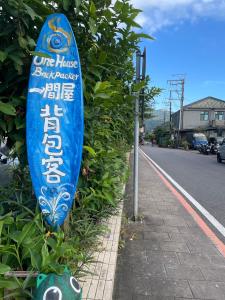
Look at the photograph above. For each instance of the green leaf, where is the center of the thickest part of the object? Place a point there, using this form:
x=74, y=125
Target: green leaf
x=144, y=35
x=10, y=125
x=7, y=109
x=35, y=259
x=102, y=96
x=101, y=86
x=9, y=283
x=4, y=268
x=20, y=123
x=1, y=227
x=138, y=86
x=90, y=150
x=92, y=26
x=31, y=42
x=45, y=255
x=102, y=58
x=7, y=218
x=77, y=3
x=52, y=243
x=3, y=56
x=14, y=235
x=22, y=42
x=18, y=146
x=27, y=231
x=9, y=250
x=134, y=24
x=3, y=125
x=41, y=54
x=66, y=4
x=31, y=12
x=16, y=58
x=92, y=9
x=118, y=6
x=94, y=72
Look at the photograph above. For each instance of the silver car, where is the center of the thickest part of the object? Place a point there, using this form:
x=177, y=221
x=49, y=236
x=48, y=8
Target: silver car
x=221, y=152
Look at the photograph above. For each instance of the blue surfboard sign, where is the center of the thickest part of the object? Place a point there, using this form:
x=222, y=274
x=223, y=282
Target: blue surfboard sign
x=54, y=120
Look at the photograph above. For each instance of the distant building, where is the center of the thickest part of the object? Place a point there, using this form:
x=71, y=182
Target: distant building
x=206, y=115
x=160, y=116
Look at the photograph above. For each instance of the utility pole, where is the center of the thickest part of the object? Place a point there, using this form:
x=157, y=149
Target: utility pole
x=170, y=117
x=177, y=90
x=138, y=98
x=142, y=96
x=182, y=104
x=136, y=137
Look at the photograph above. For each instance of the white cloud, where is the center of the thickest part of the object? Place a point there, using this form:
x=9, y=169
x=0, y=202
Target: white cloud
x=213, y=82
x=158, y=14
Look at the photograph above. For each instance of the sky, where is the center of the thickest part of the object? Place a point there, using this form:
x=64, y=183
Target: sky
x=189, y=39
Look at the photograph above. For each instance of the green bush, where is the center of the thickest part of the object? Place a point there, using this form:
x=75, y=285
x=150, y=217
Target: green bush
x=185, y=144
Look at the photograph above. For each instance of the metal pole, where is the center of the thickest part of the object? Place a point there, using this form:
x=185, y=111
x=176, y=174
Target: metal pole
x=143, y=90
x=136, y=137
x=179, y=128
x=181, y=110
x=182, y=105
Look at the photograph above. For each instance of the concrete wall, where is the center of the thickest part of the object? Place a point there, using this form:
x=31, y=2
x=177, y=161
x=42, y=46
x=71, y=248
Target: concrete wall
x=191, y=119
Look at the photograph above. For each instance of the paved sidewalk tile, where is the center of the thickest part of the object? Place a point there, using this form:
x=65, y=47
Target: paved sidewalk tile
x=166, y=256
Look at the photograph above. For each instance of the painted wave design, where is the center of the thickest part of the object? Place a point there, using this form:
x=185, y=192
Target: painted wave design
x=55, y=202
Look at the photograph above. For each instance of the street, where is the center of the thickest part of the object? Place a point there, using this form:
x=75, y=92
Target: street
x=200, y=175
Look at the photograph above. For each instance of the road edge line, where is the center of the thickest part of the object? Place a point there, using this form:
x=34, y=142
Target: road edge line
x=178, y=192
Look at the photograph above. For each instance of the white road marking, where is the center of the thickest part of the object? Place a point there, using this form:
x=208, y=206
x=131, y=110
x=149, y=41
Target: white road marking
x=196, y=204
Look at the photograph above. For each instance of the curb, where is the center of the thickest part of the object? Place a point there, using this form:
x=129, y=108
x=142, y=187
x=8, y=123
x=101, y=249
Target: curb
x=99, y=285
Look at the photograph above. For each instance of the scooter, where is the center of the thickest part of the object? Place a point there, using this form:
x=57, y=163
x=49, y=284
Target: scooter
x=213, y=148
x=204, y=149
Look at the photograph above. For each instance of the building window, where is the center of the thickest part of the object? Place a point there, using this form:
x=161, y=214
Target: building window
x=204, y=116
x=219, y=115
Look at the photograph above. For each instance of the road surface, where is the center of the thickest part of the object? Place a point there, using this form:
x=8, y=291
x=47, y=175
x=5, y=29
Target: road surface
x=200, y=175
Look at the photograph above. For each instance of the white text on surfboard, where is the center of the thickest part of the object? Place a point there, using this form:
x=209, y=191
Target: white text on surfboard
x=38, y=72
x=56, y=91
x=59, y=62
x=52, y=142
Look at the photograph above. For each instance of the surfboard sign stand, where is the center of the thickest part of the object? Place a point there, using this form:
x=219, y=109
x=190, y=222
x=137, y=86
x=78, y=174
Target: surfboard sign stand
x=54, y=119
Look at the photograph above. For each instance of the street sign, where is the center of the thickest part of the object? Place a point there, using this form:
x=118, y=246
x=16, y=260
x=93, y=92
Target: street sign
x=54, y=122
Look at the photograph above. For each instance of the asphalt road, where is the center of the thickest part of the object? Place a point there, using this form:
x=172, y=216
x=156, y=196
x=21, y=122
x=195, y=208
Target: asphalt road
x=200, y=175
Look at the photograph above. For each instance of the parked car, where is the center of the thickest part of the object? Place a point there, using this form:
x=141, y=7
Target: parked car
x=221, y=152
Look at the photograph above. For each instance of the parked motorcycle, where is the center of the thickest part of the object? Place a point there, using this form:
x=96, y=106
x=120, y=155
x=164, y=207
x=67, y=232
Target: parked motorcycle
x=204, y=149
x=215, y=143
x=213, y=148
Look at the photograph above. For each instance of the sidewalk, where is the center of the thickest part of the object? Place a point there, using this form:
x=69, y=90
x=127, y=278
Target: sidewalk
x=166, y=256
